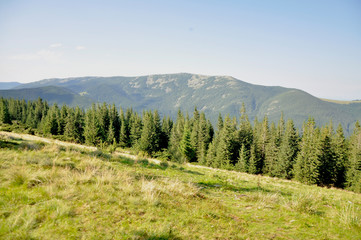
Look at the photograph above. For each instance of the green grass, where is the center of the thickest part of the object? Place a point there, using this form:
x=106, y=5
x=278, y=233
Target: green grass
x=56, y=192
x=340, y=101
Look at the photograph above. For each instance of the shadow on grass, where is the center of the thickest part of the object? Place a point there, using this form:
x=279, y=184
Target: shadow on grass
x=9, y=145
x=142, y=235
x=236, y=189
x=19, y=144
x=190, y=171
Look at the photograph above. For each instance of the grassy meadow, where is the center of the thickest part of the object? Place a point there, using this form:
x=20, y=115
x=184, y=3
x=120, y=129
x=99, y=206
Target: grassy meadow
x=52, y=191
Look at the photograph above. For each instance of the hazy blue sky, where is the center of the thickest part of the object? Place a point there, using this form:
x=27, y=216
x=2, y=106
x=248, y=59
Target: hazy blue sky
x=311, y=45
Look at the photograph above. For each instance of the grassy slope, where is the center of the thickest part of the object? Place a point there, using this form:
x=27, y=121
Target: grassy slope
x=340, y=101
x=49, y=191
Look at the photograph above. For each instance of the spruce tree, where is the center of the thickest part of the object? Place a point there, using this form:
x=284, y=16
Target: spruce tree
x=326, y=158
x=111, y=134
x=50, y=121
x=136, y=126
x=353, y=176
x=157, y=132
x=253, y=163
x=340, y=151
x=102, y=113
x=245, y=140
x=307, y=167
x=211, y=155
x=70, y=128
x=287, y=153
x=146, y=141
x=167, y=125
x=185, y=146
x=243, y=160
x=114, y=119
x=124, y=132
x=4, y=112
x=92, y=132
x=271, y=152
x=204, y=138
x=176, y=136
x=225, y=154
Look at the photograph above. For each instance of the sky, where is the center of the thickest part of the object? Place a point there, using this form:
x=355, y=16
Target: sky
x=310, y=45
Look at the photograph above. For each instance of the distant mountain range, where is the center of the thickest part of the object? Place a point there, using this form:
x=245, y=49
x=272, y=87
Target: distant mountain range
x=53, y=94
x=8, y=85
x=211, y=94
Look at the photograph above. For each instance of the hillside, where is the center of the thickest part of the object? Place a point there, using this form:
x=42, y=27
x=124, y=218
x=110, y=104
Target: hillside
x=8, y=85
x=56, y=190
x=53, y=94
x=211, y=94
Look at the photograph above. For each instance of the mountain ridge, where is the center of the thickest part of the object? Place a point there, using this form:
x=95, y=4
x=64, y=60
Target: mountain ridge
x=211, y=94
x=8, y=85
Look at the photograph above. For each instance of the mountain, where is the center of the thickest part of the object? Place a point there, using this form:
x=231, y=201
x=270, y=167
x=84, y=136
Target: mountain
x=8, y=85
x=53, y=94
x=211, y=94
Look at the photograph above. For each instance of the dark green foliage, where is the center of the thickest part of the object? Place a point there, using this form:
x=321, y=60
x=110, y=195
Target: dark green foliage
x=226, y=154
x=326, y=158
x=340, y=154
x=4, y=112
x=74, y=128
x=135, y=126
x=176, y=137
x=307, y=168
x=185, y=145
x=354, y=165
x=50, y=123
x=151, y=133
x=322, y=157
x=287, y=152
x=92, y=131
x=124, y=131
x=243, y=160
x=271, y=152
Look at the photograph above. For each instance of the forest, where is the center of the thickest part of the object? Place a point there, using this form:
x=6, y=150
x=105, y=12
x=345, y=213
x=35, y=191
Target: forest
x=311, y=155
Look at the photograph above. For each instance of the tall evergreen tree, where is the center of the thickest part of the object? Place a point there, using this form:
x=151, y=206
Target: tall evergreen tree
x=114, y=120
x=4, y=112
x=102, y=114
x=225, y=148
x=340, y=150
x=167, y=125
x=185, y=145
x=243, y=160
x=92, y=132
x=353, y=176
x=307, y=167
x=271, y=152
x=287, y=153
x=211, y=154
x=253, y=162
x=124, y=132
x=176, y=137
x=245, y=140
x=50, y=121
x=135, y=128
x=326, y=158
x=147, y=139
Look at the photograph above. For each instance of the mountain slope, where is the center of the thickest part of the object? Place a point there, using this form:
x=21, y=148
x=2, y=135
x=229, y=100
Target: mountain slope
x=211, y=94
x=8, y=85
x=52, y=94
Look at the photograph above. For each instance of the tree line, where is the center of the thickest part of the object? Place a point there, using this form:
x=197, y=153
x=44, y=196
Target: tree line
x=312, y=155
